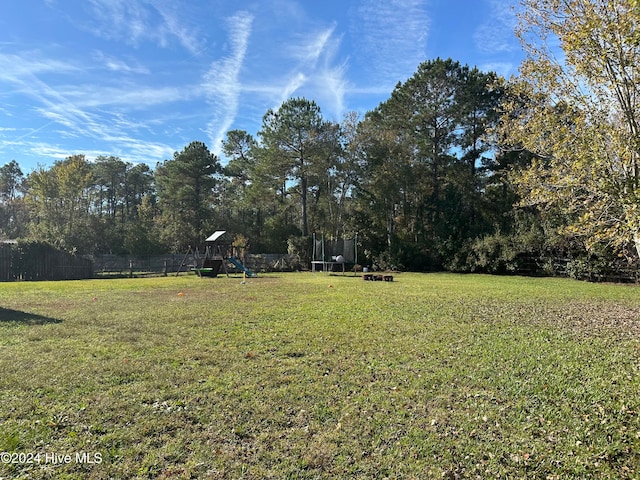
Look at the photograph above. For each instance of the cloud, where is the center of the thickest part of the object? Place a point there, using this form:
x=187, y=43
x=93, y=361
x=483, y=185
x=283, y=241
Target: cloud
x=136, y=151
x=77, y=109
x=294, y=83
x=391, y=37
x=497, y=34
x=222, y=81
x=174, y=26
x=316, y=71
x=329, y=73
x=117, y=65
x=135, y=21
x=504, y=69
x=121, y=19
x=48, y=151
x=128, y=95
x=13, y=68
x=335, y=88
x=308, y=49
x=23, y=74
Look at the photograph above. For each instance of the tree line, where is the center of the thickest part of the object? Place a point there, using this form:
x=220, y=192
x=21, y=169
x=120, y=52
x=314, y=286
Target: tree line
x=458, y=169
x=413, y=178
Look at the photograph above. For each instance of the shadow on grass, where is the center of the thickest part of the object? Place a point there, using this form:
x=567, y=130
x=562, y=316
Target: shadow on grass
x=7, y=315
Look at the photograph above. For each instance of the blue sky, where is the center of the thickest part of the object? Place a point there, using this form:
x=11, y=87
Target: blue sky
x=140, y=79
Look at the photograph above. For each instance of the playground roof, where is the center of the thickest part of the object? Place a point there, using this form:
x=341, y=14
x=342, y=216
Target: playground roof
x=216, y=235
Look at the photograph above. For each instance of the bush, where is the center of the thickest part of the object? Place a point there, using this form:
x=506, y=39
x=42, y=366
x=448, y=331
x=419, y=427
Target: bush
x=591, y=267
x=407, y=256
x=495, y=253
x=302, y=249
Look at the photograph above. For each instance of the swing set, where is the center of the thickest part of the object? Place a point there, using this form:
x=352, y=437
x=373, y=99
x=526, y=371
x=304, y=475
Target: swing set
x=218, y=255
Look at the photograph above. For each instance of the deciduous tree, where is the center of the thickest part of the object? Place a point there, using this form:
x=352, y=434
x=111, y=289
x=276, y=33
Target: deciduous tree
x=59, y=202
x=13, y=214
x=575, y=105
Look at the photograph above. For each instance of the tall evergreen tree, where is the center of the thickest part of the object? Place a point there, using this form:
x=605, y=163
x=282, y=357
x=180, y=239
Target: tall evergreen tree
x=423, y=149
x=298, y=150
x=118, y=190
x=186, y=193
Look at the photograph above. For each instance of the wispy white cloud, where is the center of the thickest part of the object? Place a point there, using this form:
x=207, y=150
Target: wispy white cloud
x=134, y=21
x=496, y=35
x=132, y=96
x=49, y=102
x=75, y=110
x=504, y=69
x=222, y=81
x=308, y=48
x=293, y=84
x=316, y=71
x=118, y=65
x=391, y=37
x=174, y=26
x=15, y=67
x=333, y=77
x=135, y=151
x=335, y=89
x=327, y=72
x=45, y=150
x=120, y=19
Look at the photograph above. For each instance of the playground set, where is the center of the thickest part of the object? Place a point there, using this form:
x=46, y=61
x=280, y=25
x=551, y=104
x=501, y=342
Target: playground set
x=219, y=255
x=329, y=255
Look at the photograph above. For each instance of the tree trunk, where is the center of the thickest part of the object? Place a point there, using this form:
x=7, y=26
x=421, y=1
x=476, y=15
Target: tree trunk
x=303, y=196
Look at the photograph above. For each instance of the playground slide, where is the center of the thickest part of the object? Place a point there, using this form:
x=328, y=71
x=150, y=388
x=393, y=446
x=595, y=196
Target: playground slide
x=238, y=264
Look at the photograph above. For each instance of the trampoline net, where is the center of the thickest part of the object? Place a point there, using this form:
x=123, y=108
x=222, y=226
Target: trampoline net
x=333, y=248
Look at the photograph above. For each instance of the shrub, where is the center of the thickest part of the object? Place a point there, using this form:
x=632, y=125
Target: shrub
x=301, y=248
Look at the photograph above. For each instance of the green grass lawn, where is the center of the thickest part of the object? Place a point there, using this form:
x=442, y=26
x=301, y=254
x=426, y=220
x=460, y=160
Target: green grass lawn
x=316, y=376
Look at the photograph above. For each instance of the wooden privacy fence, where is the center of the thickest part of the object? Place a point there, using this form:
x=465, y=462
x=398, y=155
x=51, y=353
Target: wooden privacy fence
x=41, y=262
x=6, y=271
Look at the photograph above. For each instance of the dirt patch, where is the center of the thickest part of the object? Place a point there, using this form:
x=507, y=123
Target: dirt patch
x=598, y=318
x=584, y=318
